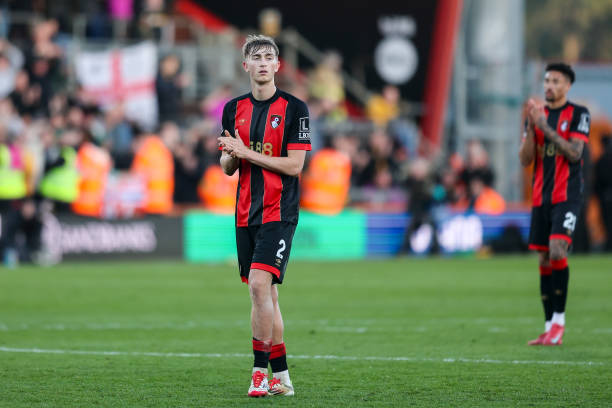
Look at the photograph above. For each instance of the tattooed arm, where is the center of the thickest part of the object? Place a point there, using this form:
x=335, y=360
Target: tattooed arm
x=571, y=149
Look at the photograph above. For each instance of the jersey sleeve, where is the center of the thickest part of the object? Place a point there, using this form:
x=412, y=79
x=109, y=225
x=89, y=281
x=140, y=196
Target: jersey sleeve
x=299, y=131
x=225, y=122
x=581, y=124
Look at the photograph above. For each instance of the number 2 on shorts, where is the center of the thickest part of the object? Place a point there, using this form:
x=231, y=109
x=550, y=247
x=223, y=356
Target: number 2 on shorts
x=279, y=253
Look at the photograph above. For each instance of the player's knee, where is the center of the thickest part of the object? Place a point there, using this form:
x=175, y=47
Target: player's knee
x=259, y=287
x=544, y=258
x=557, y=251
x=255, y=289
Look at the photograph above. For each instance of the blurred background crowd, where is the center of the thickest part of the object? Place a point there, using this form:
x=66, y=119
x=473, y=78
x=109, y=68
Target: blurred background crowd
x=66, y=146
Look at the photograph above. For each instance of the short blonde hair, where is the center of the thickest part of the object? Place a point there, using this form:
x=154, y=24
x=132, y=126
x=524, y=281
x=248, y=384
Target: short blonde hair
x=255, y=43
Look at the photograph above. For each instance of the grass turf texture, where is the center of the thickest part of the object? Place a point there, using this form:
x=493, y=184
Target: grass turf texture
x=461, y=326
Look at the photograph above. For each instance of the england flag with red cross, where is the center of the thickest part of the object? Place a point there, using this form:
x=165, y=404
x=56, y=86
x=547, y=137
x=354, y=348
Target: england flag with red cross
x=122, y=76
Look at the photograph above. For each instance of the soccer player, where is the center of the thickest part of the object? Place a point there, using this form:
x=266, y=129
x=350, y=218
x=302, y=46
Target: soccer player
x=554, y=137
x=266, y=136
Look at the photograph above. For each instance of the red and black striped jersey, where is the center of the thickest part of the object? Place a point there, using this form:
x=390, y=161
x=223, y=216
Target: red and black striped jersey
x=555, y=178
x=271, y=127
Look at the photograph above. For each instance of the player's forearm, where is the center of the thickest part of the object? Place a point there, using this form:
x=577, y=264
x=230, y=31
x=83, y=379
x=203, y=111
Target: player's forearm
x=229, y=164
x=571, y=150
x=291, y=165
x=527, y=153
x=527, y=149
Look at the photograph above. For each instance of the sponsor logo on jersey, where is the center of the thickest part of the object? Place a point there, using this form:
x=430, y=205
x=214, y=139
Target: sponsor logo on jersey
x=564, y=125
x=304, y=131
x=585, y=123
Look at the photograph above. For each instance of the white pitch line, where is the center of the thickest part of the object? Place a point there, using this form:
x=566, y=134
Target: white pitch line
x=302, y=357
x=330, y=325
x=603, y=330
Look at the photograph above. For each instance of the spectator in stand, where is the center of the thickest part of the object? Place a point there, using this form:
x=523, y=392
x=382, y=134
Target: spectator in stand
x=119, y=138
x=475, y=191
x=327, y=85
x=206, y=145
x=477, y=161
x=75, y=117
x=351, y=146
x=98, y=22
x=603, y=187
x=213, y=103
x=58, y=122
x=153, y=19
x=59, y=182
x=420, y=202
x=483, y=198
x=43, y=60
x=58, y=104
x=169, y=86
x=11, y=61
x=188, y=168
x=382, y=109
x=9, y=118
x=26, y=97
x=18, y=211
x=92, y=121
x=381, y=170
x=121, y=12
x=42, y=41
x=12, y=191
x=444, y=191
x=5, y=20
x=41, y=75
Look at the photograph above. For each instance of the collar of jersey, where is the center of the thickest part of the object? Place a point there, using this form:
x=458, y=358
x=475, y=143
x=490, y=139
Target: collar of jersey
x=269, y=100
x=560, y=107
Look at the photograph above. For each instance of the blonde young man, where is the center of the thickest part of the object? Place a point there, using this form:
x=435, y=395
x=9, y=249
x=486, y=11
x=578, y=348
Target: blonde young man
x=554, y=138
x=265, y=137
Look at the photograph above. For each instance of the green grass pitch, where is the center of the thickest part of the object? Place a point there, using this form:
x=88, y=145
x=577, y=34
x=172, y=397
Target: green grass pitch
x=387, y=333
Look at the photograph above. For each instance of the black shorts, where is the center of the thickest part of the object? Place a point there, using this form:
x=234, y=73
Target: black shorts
x=553, y=221
x=264, y=247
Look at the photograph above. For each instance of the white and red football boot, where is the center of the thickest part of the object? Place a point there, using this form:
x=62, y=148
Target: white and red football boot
x=554, y=337
x=278, y=387
x=259, y=385
x=538, y=341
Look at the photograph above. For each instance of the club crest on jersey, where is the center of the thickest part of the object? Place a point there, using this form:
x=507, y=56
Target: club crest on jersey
x=564, y=125
x=275, y=121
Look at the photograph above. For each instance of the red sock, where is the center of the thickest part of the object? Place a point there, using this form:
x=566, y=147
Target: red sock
x=261, y=352
x=278, y=358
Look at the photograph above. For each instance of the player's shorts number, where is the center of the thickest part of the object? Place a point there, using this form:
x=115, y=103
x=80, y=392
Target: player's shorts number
x=570, y=221
x=283, y=245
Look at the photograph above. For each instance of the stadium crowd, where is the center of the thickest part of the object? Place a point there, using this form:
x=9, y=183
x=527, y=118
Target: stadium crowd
x=61, y=151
